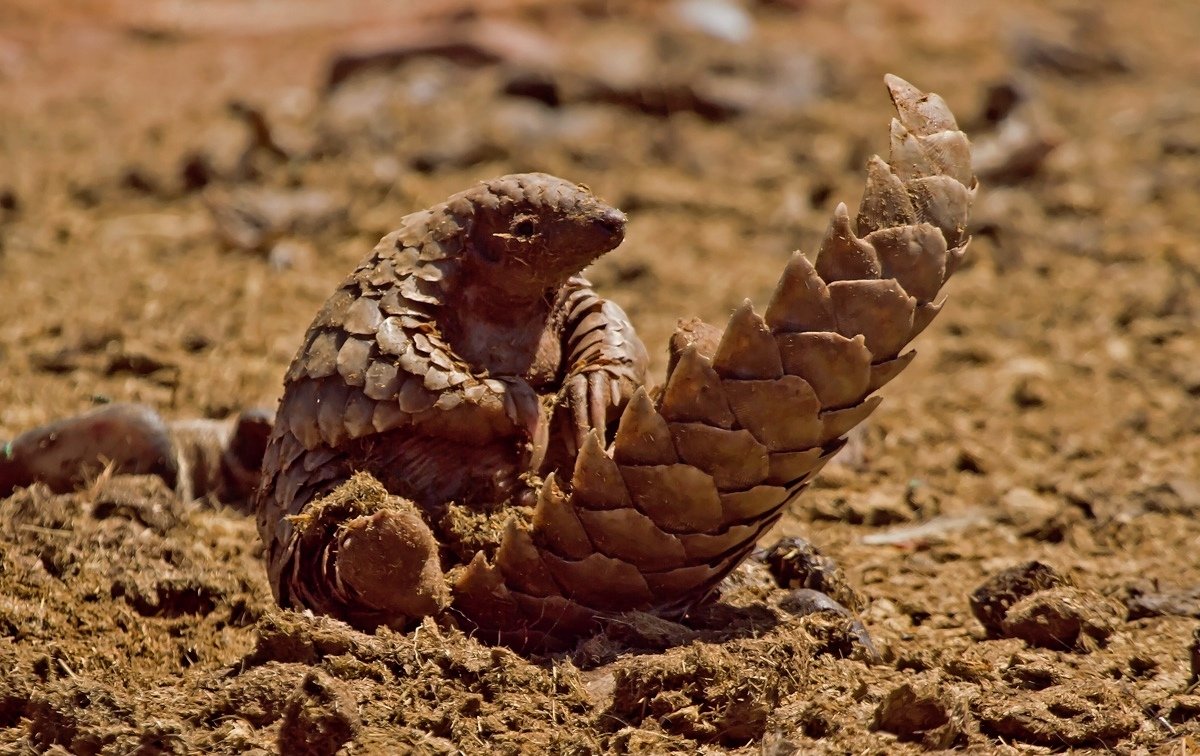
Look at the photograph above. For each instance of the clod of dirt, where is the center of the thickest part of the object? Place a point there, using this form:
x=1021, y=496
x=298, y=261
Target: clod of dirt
x=1182, y=710
x=796, y=563
x=646, y=631
x=1079, y=715
x=258, y=695
x=144, y=499
x=10, y=204
x=196, y=171
x=665, y=99
x=1061, y=617
x=722, y=694
x=319, y=718
x=478, y=43
x=991, y=601
x=168, y=595
x=14, y=698
x=1032, y=672
x=922, y=711
x=875, y=508
x=125, y=361
x=80, y=716
x=290, y=637
x=1023, y=135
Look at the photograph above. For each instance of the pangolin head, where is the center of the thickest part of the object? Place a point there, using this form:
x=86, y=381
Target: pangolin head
x=533, y=231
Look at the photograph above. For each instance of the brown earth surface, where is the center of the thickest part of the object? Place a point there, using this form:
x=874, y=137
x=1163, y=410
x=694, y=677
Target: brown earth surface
x=1053, y=413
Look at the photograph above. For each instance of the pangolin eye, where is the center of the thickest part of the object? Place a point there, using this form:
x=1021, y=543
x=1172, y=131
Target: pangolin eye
x=524, y=227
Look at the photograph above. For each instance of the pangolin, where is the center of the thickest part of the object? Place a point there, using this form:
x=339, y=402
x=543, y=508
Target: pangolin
x=466, y=427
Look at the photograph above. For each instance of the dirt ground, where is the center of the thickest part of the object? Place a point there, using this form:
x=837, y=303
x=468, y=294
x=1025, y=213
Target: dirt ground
x=1052, y=415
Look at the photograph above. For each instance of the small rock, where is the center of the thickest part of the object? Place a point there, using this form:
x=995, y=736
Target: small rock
x=1140, y=602
x=139, y=363
x=1031, y=392
x=991, y=601
x=290, y=254
x=138, y=179
x=1032, y=514
x=1177, y=496
x=1060, y=617
x=253, y=220
x=874, y=508
x=719, y=18
x=1087, y=51
x=1063, y=716
x=796, y=563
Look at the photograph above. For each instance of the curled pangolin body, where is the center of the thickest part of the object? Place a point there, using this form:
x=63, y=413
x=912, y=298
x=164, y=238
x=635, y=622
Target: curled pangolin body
x=397, y=378
x=435, y=368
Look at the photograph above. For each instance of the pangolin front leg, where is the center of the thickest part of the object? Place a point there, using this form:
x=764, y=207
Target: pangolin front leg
x=604, y=362
x=654, y=520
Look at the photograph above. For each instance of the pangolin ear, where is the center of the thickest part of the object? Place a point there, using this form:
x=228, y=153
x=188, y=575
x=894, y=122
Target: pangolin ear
x=488, y=247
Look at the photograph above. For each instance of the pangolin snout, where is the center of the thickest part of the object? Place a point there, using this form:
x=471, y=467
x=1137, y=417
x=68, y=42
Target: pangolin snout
x=613, y=221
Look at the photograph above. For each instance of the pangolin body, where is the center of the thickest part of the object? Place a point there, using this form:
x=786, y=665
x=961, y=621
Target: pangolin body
x=446, y=366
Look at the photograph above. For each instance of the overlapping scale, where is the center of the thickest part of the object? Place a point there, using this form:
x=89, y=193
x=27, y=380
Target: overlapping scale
x=558, y=525
x=643, y=437
x=838, y=368
x=879, y=309
x=746, y=350
x=693, y=393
